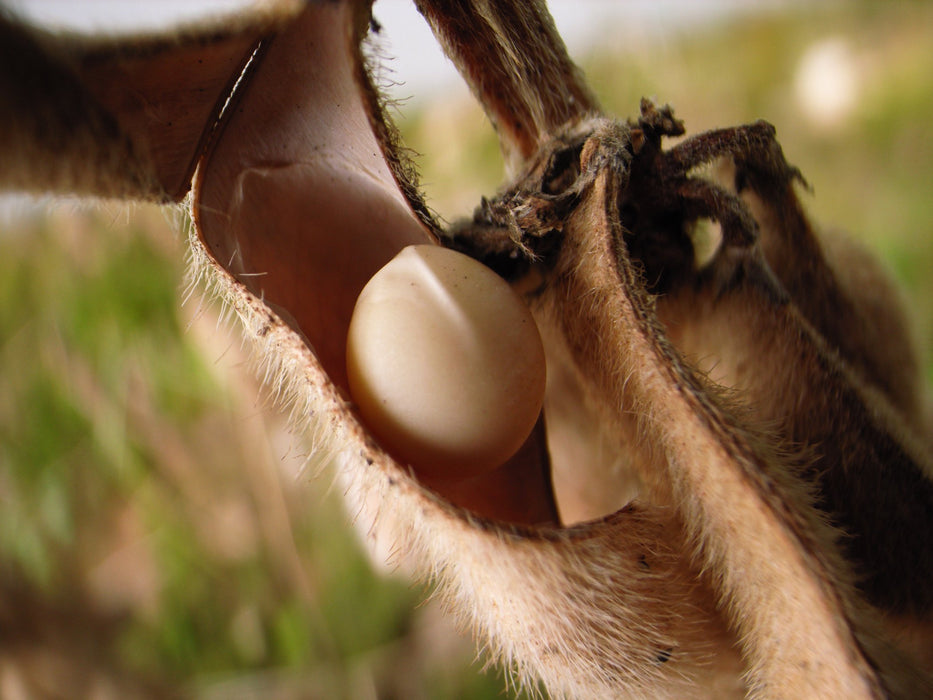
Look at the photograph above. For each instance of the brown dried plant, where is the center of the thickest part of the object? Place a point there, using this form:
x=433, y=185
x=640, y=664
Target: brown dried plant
x=729, y=492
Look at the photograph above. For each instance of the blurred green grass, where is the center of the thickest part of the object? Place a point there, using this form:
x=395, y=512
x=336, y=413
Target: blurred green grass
x=143, y=485
x=159, y=533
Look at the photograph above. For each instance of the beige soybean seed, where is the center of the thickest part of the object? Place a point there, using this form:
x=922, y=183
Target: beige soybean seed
x=445, y=363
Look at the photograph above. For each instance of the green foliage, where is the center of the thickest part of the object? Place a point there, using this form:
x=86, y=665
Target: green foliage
x=129, y=488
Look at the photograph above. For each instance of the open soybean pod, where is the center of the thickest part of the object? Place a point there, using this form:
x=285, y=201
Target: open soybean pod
x=722, y=576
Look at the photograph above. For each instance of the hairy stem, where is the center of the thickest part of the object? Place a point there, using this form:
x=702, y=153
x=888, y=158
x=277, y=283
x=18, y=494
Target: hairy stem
x=517, y=66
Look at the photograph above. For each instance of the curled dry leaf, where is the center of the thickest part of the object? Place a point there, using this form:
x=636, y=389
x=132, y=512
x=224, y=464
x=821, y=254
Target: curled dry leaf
x=706, y=557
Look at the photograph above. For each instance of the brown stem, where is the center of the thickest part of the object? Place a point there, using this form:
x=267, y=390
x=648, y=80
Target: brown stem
x=517, y=66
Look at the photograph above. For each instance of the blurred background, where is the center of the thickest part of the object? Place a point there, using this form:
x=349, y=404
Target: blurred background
x=161, y=532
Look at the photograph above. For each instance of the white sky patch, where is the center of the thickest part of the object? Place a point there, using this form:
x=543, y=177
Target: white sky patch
x=119, y=16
